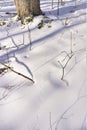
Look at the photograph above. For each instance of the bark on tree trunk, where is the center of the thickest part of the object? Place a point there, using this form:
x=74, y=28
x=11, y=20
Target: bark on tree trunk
x=26, y=7
x=36, y=7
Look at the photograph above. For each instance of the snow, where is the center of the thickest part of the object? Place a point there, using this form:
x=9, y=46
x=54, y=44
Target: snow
x=55, y=101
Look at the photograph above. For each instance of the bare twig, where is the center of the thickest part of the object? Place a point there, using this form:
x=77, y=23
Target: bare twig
x=12, y=39
x=69, y=55
x=62, y=70
x=64, y=66
x=52, y=4
x=58, y=8
x=71, y=43
x=86, y=56
x=66, y=53
x=17, y=72
x=29, y=36
x=50, y=121
x=23, y=38
x=75, y=4
x=3, y=97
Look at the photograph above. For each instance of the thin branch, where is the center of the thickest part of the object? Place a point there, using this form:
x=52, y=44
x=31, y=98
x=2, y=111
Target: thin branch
x=17, y=72
x=52, y=4
x=63, y=67
x=62, y=70
x=50, y=121
x=3, y=97
x=68, y=61
x=29, y=36
x=58, y=8
x=71, y=43
x=66, y=53
x=23, y=38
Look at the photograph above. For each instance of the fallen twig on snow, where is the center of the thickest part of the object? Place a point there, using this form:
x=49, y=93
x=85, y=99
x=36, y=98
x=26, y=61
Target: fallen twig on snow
x=17, y=72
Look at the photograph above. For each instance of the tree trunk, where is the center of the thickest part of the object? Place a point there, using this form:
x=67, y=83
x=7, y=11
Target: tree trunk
x=61, y=1
x=36, y=7
x=27, y=7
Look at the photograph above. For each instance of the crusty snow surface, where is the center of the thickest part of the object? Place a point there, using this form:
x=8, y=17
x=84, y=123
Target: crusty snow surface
x=56, y=100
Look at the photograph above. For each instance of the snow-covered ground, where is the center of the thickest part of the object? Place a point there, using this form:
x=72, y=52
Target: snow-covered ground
x=54, y=57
